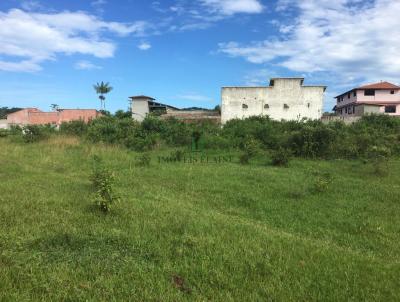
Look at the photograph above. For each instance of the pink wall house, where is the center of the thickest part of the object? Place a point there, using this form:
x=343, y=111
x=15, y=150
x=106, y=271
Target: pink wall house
x=33, y=116
x=383, y=97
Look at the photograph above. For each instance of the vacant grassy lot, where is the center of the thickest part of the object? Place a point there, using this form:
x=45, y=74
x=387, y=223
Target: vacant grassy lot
x=198, y=232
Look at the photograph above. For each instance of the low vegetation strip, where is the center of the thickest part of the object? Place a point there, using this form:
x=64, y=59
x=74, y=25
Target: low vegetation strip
x=313, y=230
x=373, y=136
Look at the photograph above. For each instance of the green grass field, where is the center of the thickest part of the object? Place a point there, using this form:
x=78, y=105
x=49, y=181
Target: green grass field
x=195, y=232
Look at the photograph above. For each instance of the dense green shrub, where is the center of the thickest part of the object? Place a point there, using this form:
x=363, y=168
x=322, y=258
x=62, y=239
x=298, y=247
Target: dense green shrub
x=262, y=129
x=315, y=140
x=217, y=141
x=103, y=183
x=78, y=128
x=35, y=133
x=103, y=129
x=280, y=157
x=141, y=142
x=379, y=122
x=378, y=156
x=176, y=133
x=250, y=148
x=302, y=138
x=121, y=114
x=153, y=124
x=15, y=130
x=4, y=132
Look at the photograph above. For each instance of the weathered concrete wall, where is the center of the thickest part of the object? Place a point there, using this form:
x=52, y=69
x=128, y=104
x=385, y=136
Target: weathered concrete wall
x=397, y=113
x=140, y=108
x=193, y=116
x=3, y=124
x=287, y=99
x=234, y=98
x=366, y=109
x=346, y=119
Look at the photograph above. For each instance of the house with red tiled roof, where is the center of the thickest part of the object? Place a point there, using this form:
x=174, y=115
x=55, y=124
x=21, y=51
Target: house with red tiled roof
x=383, y=97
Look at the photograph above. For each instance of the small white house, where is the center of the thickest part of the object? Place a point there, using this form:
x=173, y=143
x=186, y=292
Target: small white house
x=283, y=99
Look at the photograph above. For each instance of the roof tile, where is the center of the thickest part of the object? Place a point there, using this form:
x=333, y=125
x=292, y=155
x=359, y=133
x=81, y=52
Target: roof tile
x=381, y=85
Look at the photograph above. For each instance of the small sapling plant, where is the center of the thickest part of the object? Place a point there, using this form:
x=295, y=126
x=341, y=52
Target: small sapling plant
x=103, y=183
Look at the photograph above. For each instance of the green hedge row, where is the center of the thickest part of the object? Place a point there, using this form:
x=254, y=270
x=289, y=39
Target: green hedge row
x=308, y=139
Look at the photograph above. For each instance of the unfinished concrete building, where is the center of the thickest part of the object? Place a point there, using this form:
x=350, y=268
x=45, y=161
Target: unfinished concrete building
x=283, y=99
x=142, y=105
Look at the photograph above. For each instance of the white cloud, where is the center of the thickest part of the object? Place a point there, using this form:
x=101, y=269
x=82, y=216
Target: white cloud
x=144, y=46
x=98, y=5
x=230, y=7
x=28, y=39
x=201, y=14
x=98, y=2
x=21, y=66
x=350, y=38
x=86, y=65
x=31, y=5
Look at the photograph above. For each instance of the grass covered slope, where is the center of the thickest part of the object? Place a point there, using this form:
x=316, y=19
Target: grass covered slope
x=200, y=232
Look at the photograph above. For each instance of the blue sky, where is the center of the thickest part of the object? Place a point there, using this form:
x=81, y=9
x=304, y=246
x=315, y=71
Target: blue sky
x=182, y=51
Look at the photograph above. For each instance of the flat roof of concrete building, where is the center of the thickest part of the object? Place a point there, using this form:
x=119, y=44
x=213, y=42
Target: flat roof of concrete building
x=142, y=97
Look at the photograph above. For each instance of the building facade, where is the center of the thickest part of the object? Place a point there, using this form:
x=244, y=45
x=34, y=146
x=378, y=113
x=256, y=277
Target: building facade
x=142, y=105
x=383, y=97
x=34, y=116
x=283, y=99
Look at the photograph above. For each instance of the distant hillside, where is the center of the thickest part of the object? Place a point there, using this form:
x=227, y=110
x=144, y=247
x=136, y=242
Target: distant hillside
x=199, y=108
x=5, y=110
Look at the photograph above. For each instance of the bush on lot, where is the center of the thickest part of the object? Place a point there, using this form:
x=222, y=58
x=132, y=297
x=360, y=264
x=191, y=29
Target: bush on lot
x=378, y=157
x=280, y=157
x=250, y=148
x=103, y=183
x=4, y=132
x=103, y=129
x=302, y=138
x=217, y=141
x=78, y=128
x=312, y=140
x=35, y=133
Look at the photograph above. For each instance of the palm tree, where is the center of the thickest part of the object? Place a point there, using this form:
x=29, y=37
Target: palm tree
x=54, y=107
x=102, y=89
